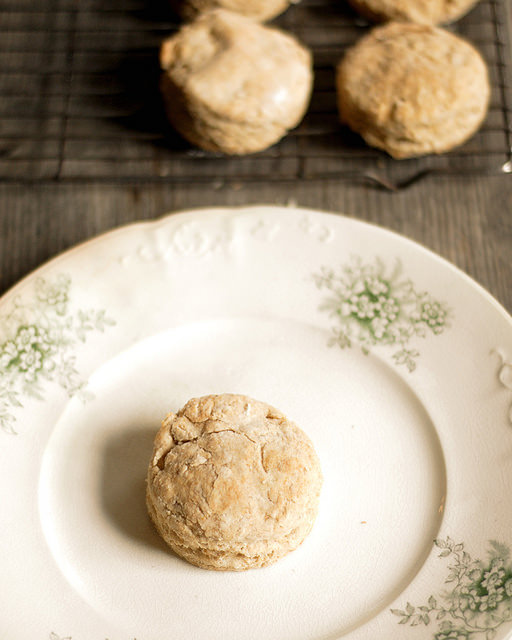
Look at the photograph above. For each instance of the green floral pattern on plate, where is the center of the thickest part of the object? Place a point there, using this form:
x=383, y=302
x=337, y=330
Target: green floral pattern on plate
x=37, y=342
x=478, y=601
x=374, y=305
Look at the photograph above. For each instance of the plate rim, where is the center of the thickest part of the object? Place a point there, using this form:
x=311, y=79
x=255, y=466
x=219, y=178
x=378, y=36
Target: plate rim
x=169, y=216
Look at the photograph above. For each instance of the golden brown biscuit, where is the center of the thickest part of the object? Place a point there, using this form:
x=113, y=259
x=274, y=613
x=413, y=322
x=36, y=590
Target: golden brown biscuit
x=256, y=9
x=233, y=85
x=412, y=89
x=420, y=11
x=232, y=484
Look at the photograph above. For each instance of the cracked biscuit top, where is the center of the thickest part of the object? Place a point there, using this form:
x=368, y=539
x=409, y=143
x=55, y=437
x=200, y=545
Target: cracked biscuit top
x=232, y=484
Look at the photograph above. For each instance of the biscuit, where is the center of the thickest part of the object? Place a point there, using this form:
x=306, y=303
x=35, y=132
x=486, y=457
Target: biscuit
x=232, y=484
x=412, y=89
x=232, y=85
x=421, y=11
x=260, y=10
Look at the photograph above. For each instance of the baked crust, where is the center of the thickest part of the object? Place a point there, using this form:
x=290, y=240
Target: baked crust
x=421, y=11
x=232, y=85
x=412, y=89
x=260, y=10
x=232, y=484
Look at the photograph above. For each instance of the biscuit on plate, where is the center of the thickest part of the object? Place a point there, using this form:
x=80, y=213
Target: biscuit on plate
x=232, y=484
x=412, y=89
x=232, y=85
x=256, y=9
x=420, y=11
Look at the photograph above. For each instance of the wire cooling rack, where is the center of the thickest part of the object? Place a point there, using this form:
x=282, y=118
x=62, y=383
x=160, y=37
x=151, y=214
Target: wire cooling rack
x=79, y=100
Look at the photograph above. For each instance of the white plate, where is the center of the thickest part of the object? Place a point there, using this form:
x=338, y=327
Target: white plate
x=397, y=365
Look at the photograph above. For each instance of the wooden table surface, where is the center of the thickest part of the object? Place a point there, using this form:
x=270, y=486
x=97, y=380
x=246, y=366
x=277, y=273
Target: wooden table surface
x=467, y=221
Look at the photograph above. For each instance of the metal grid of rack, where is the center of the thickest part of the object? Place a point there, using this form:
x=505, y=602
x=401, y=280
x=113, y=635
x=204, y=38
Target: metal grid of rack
x=80, y=101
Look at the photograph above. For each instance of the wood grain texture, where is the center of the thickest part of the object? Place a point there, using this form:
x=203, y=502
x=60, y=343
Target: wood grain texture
x=467, y=221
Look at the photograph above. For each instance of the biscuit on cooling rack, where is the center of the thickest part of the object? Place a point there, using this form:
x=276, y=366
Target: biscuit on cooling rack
x=256, y=9
x=232, y=85
x=412, y=89
x=420, y=11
